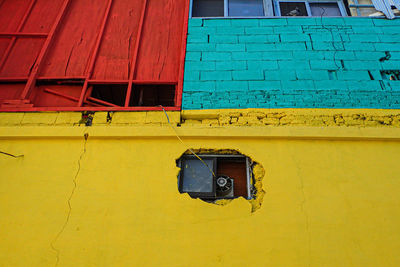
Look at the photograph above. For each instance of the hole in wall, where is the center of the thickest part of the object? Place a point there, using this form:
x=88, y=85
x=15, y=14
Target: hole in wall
x=393, y=75
x=145, y=95
x=218, y=176
x=110, y=93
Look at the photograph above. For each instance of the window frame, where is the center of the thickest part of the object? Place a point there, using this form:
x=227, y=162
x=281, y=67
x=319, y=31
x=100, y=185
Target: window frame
x=214, y=157
x=272, y=10
x=267, y=9
x=340, y=4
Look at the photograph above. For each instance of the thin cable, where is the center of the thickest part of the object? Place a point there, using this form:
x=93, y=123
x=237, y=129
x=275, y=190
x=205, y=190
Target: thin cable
x=180, y=139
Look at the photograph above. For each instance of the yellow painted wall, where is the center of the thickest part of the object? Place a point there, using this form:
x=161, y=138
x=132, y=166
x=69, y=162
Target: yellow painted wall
x=332, y=197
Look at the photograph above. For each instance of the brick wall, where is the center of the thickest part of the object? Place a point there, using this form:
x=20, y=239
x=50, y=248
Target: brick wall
x=291, y=63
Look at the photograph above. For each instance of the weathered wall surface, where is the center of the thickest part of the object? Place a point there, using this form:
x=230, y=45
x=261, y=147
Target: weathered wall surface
x=332, y=194
x=292, y=63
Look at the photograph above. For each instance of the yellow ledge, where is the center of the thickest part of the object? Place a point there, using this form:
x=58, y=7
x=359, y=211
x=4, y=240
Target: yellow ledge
x=282, y=132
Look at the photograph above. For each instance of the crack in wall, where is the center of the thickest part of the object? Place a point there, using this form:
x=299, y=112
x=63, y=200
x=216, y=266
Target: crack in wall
x=75, y=184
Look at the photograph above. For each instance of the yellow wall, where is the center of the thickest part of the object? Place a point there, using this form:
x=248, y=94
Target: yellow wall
x=332, y=196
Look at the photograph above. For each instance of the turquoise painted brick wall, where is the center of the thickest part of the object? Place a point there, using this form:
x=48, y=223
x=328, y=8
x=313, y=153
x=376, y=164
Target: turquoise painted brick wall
x=291, y=63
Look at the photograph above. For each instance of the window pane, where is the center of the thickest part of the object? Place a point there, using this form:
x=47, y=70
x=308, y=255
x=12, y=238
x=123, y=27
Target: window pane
x=325, y=9
x=196, y=176
x=293, y=9
x=208, y=8
x=246, y=8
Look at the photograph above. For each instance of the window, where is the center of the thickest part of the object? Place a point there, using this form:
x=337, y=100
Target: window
x=215, y=177
x=231, y=8
x=310, y=8
x=259, y=8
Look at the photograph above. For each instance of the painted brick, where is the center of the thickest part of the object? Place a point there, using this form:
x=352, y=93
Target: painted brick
x=230, y=47
x=216, y=56
x=287, y=55
x=197, y=38
x=330, y=85
x=252, y=39
x=264, y=85
x=389, y=38
x=365, y=38
x=391, y=65
x=312, y=75
x=231, y=65
x=359, y=43
x=287, y=29
x=203, y=30
x=247, y=75
x=215, y=75
x=301, y=21
x=353, y=75
x=301, y=55
x=200, y=66
x=323, y=65
x=246, y=55
x=229, y=30
x=362, y=55
x=192, y=75
x=193, y=56
x=328, y=37
x=223, y=39
x=200, y=47
x=273, y=22
x=262, y=65
x=199, y=86
x=364, y=85
x=294, y=37
x=362, y=65
x=364, y=29
x=385, y=22
x=293, y=64
x=259, y=30
x=260, y=47
x=327, y=46
x=337, y=55
x=195, y=22
x=361, y=21
x=290, y=46
x=245, y=22
x=217, y=22
x=387, y=46
x=232, y=85
x=358, y=46
x=393, y=85
x=277, y=75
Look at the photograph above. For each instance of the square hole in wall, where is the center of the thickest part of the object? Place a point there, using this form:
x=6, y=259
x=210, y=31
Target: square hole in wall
x=110, y=93
x=152, y=95
x=215, y=177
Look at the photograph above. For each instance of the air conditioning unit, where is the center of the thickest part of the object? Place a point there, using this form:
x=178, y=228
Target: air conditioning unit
x=224, y=187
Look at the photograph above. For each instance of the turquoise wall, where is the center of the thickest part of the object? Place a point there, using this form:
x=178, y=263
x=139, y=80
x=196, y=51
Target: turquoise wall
x=291, y=63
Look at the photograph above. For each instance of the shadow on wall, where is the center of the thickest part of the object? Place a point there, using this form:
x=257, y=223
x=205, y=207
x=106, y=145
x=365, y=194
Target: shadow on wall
x=218, y=176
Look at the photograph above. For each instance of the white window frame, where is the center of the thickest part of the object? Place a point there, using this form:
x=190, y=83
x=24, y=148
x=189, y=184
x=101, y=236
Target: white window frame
x=267, y=6
x=307, y=4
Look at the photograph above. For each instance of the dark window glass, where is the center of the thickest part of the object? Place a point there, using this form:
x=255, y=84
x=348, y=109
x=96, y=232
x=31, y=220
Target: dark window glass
x=208, y=8
x=246, y=8
x=197, y=177
x=293, y=9
x=325, y=9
